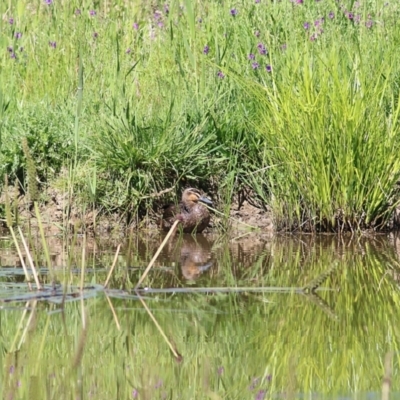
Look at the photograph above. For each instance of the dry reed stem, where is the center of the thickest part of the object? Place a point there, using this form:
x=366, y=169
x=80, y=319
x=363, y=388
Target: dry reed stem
x=28, y=278
x=81, y=345
x=28, y=254
x=12, y=348
x=28, y=323
x=174, y=352
x=82, y=282
x=112, y=266
x=113, y=312
x=146, y=271
x=387, y=378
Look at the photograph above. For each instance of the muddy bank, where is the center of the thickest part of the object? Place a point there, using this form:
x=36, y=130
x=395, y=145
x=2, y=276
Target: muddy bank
x=59, y=213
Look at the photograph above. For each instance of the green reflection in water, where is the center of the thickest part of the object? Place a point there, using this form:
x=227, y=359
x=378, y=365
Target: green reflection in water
x=234, y=345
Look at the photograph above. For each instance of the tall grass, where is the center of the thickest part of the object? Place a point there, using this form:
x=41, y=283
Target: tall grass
x=298, y=102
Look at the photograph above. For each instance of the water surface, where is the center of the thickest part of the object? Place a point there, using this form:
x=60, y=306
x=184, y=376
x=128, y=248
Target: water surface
x=232, y=310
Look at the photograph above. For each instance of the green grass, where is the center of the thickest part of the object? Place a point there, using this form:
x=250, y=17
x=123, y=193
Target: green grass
x=130, y=112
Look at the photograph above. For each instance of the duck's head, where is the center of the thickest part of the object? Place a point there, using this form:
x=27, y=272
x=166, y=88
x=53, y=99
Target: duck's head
x=192, y=195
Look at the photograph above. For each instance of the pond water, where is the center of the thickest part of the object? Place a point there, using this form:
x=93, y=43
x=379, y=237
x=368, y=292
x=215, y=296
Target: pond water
x=253, y=317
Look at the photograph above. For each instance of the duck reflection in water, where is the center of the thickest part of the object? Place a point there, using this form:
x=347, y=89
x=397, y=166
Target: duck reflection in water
x=192, y=214
x=192, y=253
x=195, y=256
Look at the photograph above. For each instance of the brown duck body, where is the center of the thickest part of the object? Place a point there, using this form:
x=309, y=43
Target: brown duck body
x=193, y=216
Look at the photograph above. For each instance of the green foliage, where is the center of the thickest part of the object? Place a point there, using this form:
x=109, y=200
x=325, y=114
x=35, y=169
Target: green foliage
x=266, y=99
x=48, y=133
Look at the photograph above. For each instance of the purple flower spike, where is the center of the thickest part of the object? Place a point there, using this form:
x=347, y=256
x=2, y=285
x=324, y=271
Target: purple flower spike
x=53, y=44
x=306, y=26
x=331, y=15
x=260, y=395
x=11, y=21
x=48, y=2
x=261, y=49
x=12, y=55
x=92, y=13
x=268, y=68
x=135, y=394
x=234, y=12
x=135, y=26
x=299, y=1
x=206, y=49
x=251, y=56
x=255, y=65
x=369, y=23
x=258, y=1
x=9, y=49
x=18, y=35
x=350, y=16
x=221, y=75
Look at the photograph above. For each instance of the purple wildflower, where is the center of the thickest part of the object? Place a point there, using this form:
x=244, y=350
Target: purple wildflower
x=260, y=395
x=261, y=49
x=78, y=11
x=12, y=55
x=268, y=68
x=128, y=51
x=319, y=22
x=350, y=16
x=9, y=49
x=18, y=35
x=157, y=15
x=135, y=394
x=160, y=24
x=331, y=15
x=206, y=50
x=234, y=12
x=159, y=384
x=220, y=371
x=306, y=26
x=95, y=35
x=357, y=19
x=52, y=44
x=251, y=56
x=313, y=37
x=369, y=23
x=11, y=21
x=255, y=65
x=48, y=2
x=299, y=1
x=135, y=26
x=166, y=8
x=254, y=383
x=12, y=369
x=257, y=33
x=221, y=75
x=92, y=13
x=258, y=1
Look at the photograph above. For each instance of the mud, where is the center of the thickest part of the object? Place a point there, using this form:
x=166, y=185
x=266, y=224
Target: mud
x=61, y=214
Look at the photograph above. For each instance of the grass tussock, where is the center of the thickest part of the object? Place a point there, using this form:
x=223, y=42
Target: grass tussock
x=296, y=102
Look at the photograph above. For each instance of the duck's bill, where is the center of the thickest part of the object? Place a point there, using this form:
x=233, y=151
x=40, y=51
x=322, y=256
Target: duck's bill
x=205, y=200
